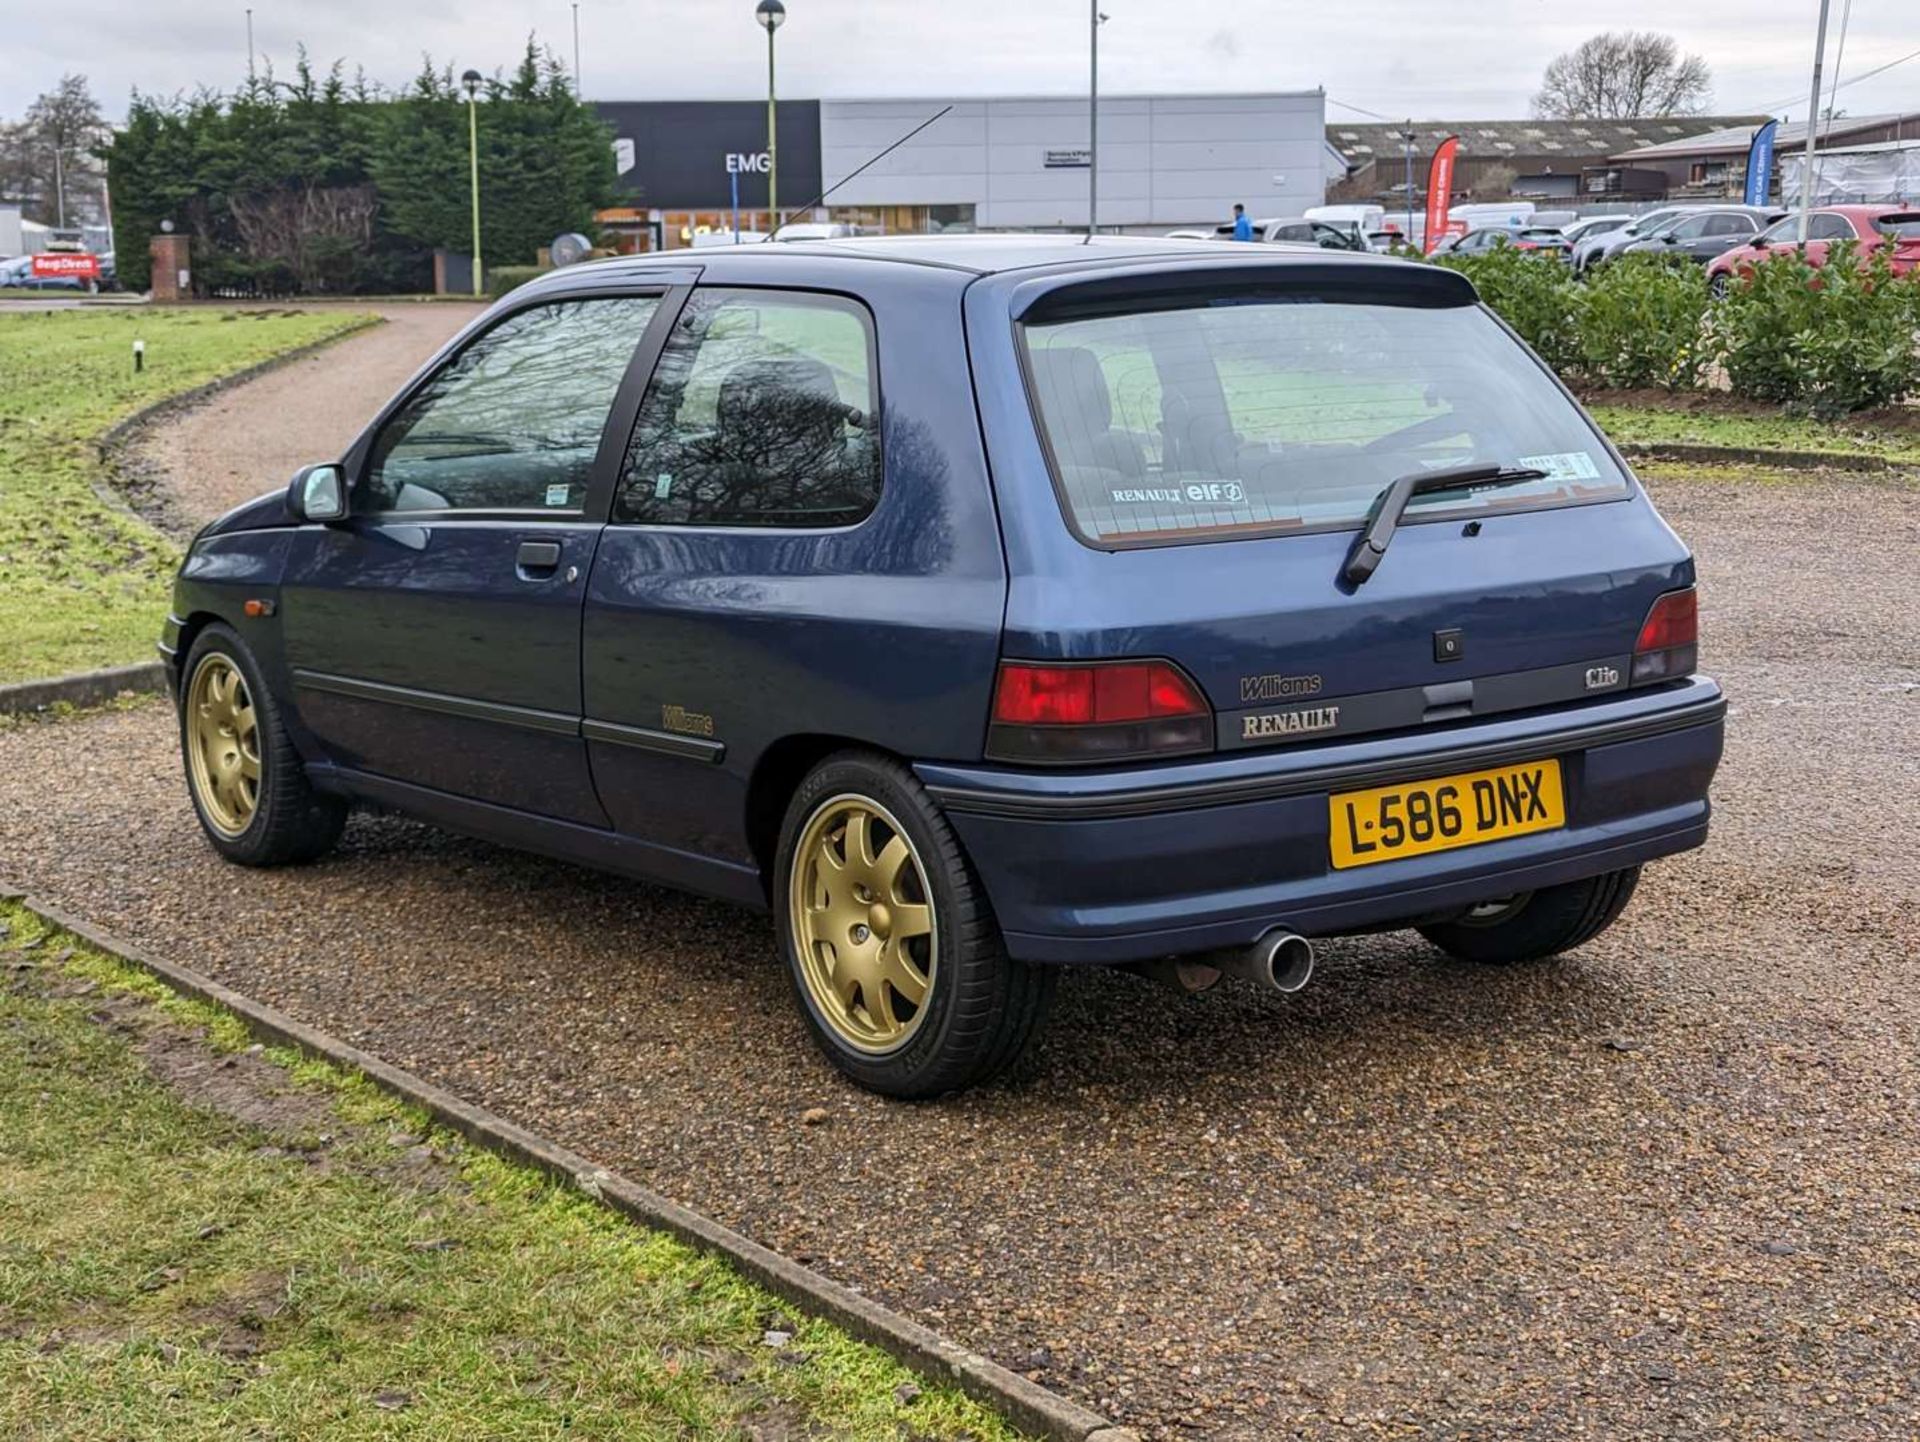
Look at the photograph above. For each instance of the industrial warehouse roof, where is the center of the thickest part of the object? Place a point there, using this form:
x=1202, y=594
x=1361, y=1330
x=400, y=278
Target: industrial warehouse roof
x=1730, y=138
x=1486, y=139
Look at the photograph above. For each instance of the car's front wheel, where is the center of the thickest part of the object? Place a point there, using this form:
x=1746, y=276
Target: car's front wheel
x=1534, y=925
x=247, y=784
x=893, y=950
x=1719, y=286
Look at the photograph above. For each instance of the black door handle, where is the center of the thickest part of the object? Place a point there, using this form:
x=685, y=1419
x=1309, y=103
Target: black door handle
x=538, y=558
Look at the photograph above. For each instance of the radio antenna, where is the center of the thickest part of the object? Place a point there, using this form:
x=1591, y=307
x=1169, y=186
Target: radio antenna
x=851, y=173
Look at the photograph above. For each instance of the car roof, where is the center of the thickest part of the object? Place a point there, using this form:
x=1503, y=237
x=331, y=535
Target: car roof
x=972, y=255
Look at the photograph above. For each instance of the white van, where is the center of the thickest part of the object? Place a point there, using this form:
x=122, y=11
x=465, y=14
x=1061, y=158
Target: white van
x=1356, y=220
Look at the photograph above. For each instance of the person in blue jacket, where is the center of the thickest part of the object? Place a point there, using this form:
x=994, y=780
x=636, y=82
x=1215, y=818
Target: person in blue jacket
x=1242, y=227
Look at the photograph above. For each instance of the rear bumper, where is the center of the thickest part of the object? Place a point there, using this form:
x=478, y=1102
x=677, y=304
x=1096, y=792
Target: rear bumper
x=1127, y=864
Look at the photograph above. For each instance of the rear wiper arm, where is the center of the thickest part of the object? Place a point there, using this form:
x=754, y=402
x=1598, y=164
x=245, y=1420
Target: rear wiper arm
x=1372, y=544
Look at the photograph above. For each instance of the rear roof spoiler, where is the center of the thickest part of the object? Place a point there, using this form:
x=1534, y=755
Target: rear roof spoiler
x=1154, y=284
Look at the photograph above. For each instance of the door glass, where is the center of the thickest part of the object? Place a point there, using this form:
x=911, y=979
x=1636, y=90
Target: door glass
x=1690, y=229
x=1829, y=227
x=513, y=421
x=762, y=412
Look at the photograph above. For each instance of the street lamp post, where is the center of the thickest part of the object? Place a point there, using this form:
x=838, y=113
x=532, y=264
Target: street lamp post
x=772, y=15
x=1408, y=139
x=472, y=81
x=1813, y=128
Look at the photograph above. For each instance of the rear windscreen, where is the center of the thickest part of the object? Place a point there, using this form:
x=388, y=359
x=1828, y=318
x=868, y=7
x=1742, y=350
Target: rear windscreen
x=1284, y=414
x=1900, y=227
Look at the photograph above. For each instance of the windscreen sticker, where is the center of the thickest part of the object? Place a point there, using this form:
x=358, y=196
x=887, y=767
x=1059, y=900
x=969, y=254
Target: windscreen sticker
x=1566, y=466
x=1198, y=493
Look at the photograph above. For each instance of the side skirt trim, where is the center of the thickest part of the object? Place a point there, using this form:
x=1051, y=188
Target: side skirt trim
x=645, y=738
x=591, y=846
x=526, y=718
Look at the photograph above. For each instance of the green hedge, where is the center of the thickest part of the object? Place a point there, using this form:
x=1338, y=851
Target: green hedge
x=503, y=278
x=1822, y=342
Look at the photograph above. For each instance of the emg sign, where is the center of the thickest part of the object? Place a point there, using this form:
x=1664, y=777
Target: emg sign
x=693, y=154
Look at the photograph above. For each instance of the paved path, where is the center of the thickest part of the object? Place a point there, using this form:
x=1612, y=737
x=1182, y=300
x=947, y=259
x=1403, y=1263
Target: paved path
x=1667, y=1188
x=253, y=437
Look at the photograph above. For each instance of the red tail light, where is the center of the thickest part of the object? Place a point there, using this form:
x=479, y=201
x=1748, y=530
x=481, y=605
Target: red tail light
x=1096, y=711
x=1669, y=642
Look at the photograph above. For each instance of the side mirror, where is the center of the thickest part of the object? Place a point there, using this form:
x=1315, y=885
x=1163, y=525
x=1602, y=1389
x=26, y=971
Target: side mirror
x=318, y=493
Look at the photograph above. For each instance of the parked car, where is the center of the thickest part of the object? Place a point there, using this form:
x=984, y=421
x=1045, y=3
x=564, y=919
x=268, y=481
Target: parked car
x=816, y=230
x=1594, y=250
x=18, y=274
x=1591, y=225
x=1355, y=220
x=1704, y=234
x=1539, y=239
x=979, y=606
x=1868, y=226
x=1298, y=230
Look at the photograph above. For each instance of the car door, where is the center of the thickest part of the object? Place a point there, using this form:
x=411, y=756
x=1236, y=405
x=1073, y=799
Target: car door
x=433, y=637
x=1720, y=234
x=756, y=581
x=1824, y=231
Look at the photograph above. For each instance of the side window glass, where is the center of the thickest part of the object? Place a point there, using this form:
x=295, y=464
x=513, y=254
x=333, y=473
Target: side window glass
x=1690, y=229
x=762, y=412
x=514, y=420
x=1829, y=227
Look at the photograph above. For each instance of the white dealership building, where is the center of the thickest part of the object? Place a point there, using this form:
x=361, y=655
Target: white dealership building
x=998, y=163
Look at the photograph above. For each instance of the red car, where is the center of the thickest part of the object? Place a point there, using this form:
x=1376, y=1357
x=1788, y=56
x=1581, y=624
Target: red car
x=1872, y=226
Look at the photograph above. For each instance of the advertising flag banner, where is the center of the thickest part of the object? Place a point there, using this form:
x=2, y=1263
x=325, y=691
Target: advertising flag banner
x=1760, y=163
x=1440, y=190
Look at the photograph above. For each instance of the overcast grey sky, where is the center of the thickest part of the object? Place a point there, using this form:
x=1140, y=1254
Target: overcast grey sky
x=1460, y=59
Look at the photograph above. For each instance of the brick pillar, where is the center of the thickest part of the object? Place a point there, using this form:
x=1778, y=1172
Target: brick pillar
x=172, y=270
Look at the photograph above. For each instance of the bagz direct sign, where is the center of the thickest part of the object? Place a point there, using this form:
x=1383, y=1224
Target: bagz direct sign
x=66, y=267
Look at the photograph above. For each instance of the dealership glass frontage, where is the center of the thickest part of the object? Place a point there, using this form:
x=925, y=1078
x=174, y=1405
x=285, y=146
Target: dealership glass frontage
x=692, y=169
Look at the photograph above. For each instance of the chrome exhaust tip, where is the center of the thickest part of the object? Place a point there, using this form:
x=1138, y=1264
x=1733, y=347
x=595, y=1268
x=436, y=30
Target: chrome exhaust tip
x=1280, y=961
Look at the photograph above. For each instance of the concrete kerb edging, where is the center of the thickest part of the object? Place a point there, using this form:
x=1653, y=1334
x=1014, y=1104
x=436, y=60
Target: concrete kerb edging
x=82, y=688
x=1024, y=1403
x=1755, y=456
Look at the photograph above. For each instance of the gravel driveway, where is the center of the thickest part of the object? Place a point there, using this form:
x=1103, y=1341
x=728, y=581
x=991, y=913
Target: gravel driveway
x=219, y=454
x=1667, y=1188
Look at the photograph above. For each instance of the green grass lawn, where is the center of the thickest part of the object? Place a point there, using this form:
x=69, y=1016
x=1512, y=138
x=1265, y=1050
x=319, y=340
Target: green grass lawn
x=82, y=582
x=198, y=1240
x=1890, y=434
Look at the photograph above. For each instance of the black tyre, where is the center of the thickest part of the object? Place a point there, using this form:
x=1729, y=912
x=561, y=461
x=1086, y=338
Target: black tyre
x=1719, y=286
x=246, y=781
x=893, y=951
x=1536, y=924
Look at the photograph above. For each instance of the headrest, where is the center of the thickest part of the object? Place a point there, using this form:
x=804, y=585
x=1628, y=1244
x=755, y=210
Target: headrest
x=1072, y=383
x=797, y=391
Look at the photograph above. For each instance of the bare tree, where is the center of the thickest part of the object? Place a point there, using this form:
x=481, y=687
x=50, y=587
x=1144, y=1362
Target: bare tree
x=1621, y=74
x=47, y=160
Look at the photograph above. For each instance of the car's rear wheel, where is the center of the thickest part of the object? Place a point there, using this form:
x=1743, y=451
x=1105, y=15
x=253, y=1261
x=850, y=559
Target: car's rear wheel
x=1533, y=925
x=893, y=950
x=245, y=779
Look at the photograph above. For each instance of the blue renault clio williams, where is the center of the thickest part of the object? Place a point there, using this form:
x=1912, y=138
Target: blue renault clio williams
x=980, y=605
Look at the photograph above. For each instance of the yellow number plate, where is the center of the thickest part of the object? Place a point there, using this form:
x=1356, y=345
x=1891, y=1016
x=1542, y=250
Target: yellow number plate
x=1390, y=822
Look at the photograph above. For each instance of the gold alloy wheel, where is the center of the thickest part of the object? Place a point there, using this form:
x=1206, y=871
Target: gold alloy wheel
x=223, y=745
x=863, y=923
